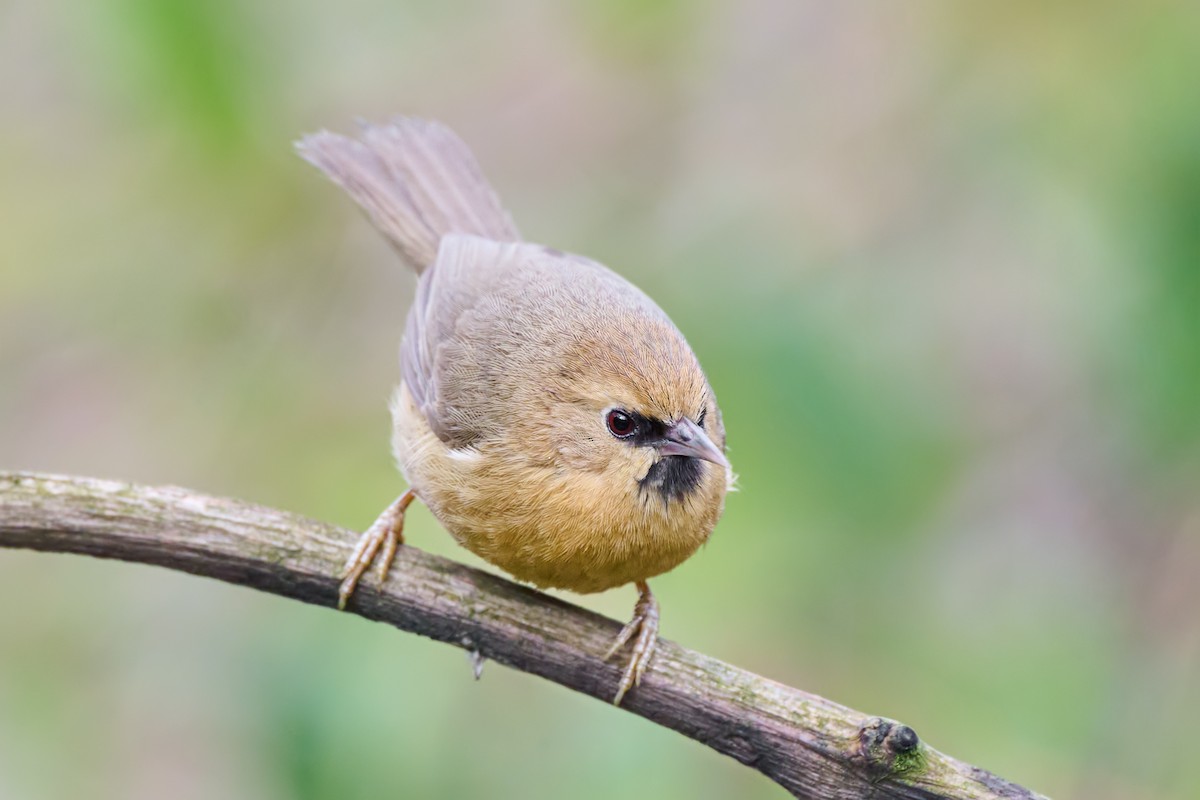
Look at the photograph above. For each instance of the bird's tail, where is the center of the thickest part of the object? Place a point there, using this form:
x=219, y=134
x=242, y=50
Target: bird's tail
x=416, y=180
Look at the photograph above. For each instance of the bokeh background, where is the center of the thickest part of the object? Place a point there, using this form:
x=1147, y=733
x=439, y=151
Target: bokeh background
x=941, y=261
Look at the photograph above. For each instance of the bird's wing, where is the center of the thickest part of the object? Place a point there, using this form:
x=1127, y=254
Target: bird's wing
x=456, y=327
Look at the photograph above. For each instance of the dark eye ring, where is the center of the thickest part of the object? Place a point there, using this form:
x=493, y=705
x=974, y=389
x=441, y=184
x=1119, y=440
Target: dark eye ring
x=620, y=423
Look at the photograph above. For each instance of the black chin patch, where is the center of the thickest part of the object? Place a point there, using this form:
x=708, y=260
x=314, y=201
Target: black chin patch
x=673, y=477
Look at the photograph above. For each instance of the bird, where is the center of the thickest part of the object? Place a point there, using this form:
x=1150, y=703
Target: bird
x=549, y=414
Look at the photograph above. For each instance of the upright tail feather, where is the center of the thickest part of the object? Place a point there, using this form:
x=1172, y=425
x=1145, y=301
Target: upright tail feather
x=416, y=180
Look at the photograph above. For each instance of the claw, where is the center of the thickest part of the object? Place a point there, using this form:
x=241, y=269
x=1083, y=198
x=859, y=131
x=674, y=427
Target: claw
x=386, y=532
x=645, y=625
x=623, y=637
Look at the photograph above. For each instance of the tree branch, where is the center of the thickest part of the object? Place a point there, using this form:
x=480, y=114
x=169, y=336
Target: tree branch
x=812, y=747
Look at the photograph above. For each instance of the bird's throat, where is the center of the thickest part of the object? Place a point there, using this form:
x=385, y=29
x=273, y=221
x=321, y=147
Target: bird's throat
x=673, y=477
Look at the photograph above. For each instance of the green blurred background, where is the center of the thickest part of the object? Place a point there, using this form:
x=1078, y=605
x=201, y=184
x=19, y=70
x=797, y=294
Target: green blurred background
x=941, y=261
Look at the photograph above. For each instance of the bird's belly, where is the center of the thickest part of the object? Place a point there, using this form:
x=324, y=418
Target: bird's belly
x=556, y=530
x=569, y=539
x=577, y=557
x=563, y=539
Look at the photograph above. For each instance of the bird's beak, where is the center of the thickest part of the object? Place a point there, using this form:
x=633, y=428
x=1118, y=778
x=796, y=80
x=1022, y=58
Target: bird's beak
x=686, y=438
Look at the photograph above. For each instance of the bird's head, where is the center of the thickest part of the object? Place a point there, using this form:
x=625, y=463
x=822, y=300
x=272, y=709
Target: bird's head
x=637, y=412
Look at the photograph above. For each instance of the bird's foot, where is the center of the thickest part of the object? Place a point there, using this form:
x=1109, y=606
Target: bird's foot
x=386, y=532
x=645, y=625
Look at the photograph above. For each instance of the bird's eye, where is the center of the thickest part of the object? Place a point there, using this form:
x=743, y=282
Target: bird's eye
x=620, y=424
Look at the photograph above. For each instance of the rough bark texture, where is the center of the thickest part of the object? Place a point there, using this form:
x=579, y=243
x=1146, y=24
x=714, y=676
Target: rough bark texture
x=811, y=746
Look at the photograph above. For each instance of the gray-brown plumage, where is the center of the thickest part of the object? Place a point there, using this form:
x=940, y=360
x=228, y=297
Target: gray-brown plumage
x=550, y=415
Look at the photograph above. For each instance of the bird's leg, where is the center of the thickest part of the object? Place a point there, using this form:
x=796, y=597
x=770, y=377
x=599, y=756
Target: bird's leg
x=387, y=531
x=645, y=625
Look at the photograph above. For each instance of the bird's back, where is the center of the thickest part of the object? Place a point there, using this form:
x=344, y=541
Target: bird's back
x=494, y=325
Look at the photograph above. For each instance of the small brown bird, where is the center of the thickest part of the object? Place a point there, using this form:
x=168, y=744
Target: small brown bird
x=550, y=415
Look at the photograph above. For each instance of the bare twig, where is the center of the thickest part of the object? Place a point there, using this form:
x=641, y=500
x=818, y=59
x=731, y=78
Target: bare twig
x=811, y=746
